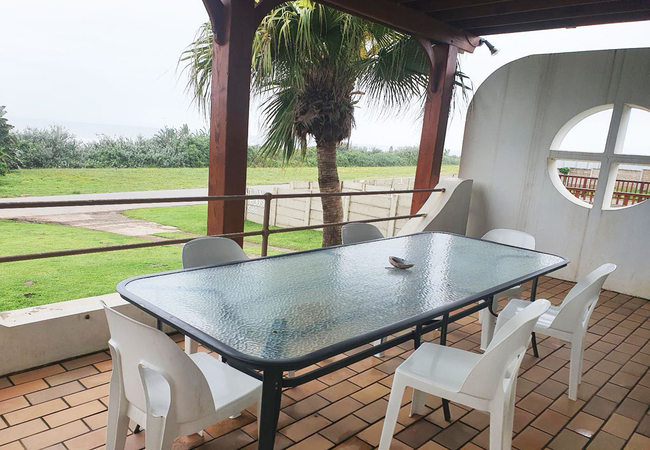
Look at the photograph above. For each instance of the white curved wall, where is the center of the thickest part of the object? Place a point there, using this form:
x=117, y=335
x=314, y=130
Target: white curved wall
x=515, y=115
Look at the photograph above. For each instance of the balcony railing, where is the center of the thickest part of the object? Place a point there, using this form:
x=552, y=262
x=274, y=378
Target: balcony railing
x=626, y=192
x=265, y=232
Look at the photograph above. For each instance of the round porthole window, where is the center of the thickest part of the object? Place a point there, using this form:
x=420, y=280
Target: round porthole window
x=607, y=148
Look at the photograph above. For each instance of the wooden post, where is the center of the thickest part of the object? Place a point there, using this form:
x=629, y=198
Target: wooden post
x=233, y=24
x=442, y=59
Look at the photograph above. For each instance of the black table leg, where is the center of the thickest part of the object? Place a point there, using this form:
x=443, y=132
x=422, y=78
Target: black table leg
x=270, y=410
x=443, y=341
x=491, y=306
x=159, y=324
x=533, y=295
x=533, y=290
x=417, y=338
x=534, y=342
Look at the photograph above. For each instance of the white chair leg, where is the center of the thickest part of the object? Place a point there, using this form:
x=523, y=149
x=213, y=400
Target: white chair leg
x=159, y=434
x=574, y=370
x=508, y=423
x=418, y=404
x=378, y=342
x=498, y=419
x=487, y=329
x=191, y=346
x=582, y=357
x=394, y=403
x=118, y=426
x=118, y=421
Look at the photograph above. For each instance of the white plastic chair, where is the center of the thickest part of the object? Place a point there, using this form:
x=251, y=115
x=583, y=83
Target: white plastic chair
x=569, y=321
x=515, y=238
x=486, y=382
x=164, y=390
x=359, y=232
x=209, y=251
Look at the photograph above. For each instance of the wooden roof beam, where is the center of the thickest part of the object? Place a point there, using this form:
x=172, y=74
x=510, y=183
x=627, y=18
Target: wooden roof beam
x=565, y=23
x=443, y=5
x=569, y=13
x=510, y=7
x=407, y=20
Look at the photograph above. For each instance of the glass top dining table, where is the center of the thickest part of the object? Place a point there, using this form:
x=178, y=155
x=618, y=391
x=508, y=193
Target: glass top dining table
x=282, y=313
x=291, y=307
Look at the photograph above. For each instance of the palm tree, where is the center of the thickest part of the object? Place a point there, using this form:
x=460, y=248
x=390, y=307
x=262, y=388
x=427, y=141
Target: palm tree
x=311, y=64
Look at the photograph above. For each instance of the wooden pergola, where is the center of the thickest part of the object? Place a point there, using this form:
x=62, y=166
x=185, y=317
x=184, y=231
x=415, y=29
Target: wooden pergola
x=453, y=26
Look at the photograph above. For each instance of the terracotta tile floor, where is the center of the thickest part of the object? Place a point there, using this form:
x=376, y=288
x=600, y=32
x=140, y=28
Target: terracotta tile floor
x=63, y=405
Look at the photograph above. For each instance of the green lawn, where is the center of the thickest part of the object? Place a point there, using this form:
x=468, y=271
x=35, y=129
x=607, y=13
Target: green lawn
x=37, y=182
x=192, y=219
x=39, y=282
x=31, y=283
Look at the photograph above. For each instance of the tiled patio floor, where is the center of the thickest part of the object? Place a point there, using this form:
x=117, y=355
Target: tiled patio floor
x=64, y=405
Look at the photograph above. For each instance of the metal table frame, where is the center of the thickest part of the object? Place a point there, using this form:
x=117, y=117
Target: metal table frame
x=271, y=371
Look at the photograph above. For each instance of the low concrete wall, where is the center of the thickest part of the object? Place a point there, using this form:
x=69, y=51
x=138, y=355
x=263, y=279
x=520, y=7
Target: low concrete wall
x=32, y=337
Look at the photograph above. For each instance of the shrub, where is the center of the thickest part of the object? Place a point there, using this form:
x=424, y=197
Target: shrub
x=47, y=148
x=177, y=147
x=7, y=144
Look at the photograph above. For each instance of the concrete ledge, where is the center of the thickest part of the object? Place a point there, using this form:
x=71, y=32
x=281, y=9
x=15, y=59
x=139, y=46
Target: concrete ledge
x=32, y=337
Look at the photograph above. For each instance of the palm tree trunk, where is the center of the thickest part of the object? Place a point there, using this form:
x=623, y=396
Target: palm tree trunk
x=328, y=181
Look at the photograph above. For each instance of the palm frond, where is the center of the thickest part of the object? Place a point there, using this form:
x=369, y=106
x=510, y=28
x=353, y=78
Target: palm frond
x=197, y=61
x=395, y=74
x=311, y=64
x=280, y=136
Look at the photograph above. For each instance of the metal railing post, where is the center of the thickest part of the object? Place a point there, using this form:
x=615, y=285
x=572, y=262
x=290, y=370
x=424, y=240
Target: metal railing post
x=268, y=196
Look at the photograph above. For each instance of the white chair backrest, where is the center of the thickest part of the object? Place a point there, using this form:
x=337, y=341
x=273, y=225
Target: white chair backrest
x=359, y=232
x=211, y=251
x=134, y=343
x=579, y=303
x=504, y=354
x=515, y=238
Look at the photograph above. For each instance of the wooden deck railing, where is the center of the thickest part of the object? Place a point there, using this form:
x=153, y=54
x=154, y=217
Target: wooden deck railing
x=626, y=192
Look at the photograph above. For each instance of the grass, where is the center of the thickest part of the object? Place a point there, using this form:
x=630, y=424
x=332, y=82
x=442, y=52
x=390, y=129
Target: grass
x=37, y=182
x=193, y=219
x=39, y=282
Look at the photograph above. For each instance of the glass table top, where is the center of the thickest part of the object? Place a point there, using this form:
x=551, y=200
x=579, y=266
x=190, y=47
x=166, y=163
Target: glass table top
x=290, y=306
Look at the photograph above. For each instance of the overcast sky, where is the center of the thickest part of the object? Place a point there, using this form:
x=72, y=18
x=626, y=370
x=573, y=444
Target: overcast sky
x=110, y=67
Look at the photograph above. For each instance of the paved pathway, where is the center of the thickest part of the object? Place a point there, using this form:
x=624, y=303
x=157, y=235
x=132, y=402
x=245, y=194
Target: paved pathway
x=32, y=212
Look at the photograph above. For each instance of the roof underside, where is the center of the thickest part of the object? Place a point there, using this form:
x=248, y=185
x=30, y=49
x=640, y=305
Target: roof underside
x=484, y=17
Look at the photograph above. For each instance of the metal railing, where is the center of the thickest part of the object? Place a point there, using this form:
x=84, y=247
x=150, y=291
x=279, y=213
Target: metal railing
x=266, y=231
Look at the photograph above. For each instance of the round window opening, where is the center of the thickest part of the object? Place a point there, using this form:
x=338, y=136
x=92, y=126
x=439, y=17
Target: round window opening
x=584, y=164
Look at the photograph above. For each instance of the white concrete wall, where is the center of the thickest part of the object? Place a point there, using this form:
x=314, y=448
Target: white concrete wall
x=298, y=212
x=40, y=335
x=516, y=114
